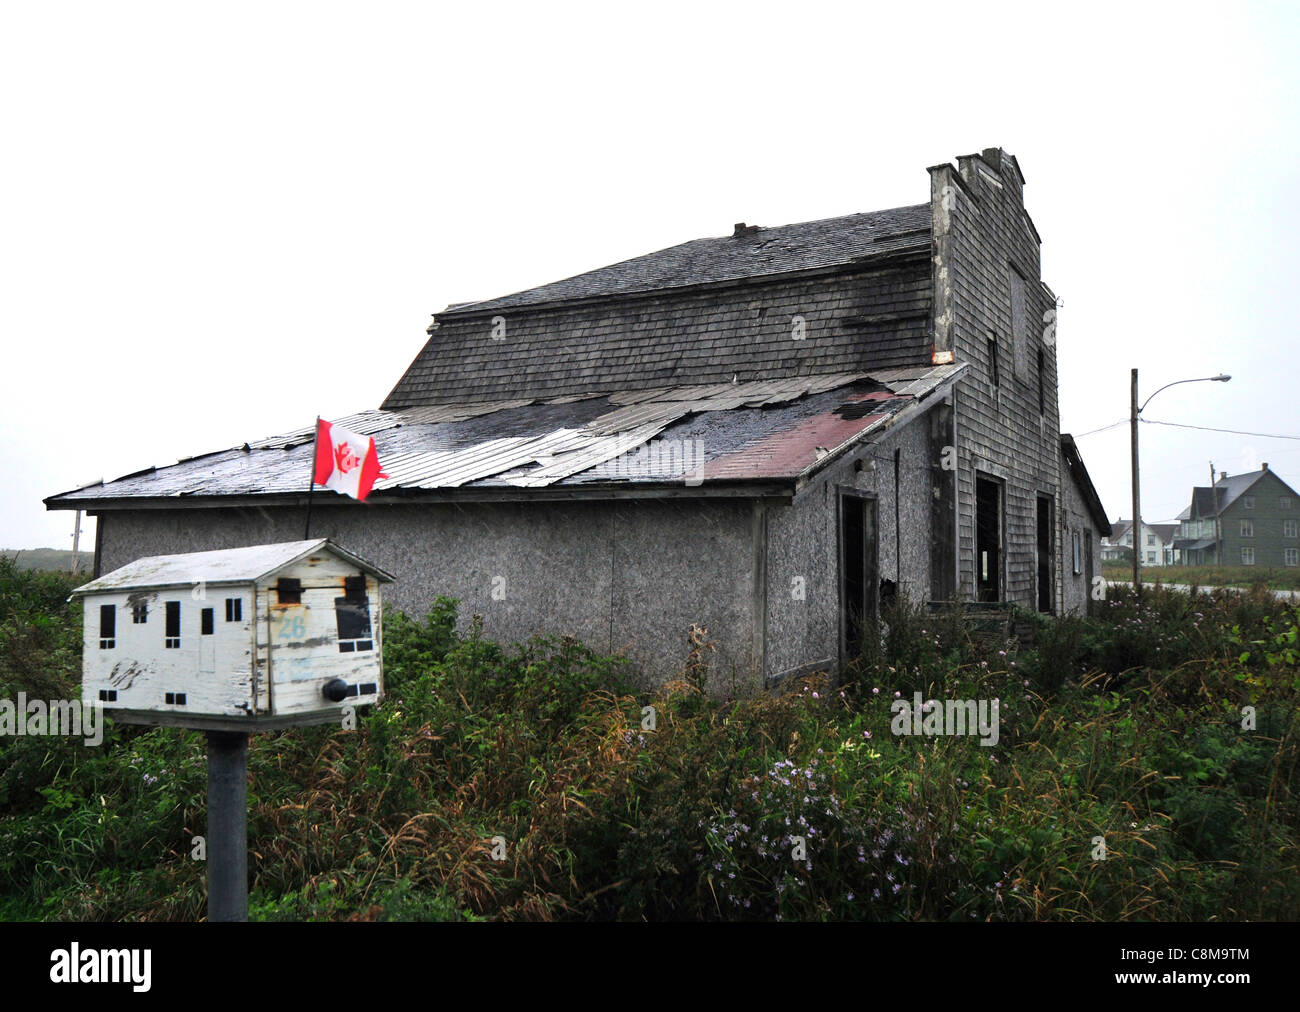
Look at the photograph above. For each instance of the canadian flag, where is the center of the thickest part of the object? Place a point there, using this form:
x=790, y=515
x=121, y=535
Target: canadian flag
x=345, y=462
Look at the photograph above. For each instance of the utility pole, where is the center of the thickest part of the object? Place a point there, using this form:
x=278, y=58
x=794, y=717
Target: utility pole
x=76, y=541
x=1137, y=506
x=1214, y=497
x=1135, y=411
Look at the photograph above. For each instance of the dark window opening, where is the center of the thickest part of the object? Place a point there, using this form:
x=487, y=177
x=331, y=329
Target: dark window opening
x=139, y=614
x=352, y=612
x=1042, y=385
x=108, y=695
x=174, y=698
x=234, y=609
x=107, y=626
x=993, y=360
x=172, y=633
x=288, y=591
x=206, y=622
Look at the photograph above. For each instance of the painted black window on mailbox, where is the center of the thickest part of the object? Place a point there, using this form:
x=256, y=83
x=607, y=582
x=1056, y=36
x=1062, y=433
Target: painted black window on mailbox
x=352, y=611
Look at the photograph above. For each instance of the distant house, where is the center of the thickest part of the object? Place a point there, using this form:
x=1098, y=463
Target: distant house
x=1157, y=543
x=760, y=434
x=1248, y=519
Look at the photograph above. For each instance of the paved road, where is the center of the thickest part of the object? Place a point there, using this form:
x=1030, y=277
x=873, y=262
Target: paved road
x=1286, y=595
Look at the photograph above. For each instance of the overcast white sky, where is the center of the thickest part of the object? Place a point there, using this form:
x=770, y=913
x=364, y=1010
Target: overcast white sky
x=220, y=220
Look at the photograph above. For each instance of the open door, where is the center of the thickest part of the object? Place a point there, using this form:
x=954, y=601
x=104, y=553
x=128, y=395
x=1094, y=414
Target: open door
x=988, y=539
x=859, y=575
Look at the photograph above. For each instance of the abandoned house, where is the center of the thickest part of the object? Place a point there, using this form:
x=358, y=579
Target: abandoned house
x=757, y=434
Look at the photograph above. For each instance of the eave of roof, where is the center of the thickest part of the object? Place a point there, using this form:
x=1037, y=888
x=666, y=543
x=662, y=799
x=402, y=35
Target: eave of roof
x=221, y=567
x=1084, y=482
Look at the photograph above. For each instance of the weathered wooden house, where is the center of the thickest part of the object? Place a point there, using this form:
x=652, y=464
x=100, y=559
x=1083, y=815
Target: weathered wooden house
x=237, y=639
x=757, y=433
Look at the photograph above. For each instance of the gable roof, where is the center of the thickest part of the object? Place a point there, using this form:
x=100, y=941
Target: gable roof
x=829, y=242
x=1226, y=492
x=1074, y=461
x=222, y=567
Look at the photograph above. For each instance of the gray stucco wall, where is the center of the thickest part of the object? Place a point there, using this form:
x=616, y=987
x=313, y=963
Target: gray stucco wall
x=803, y=544
x=627, y=576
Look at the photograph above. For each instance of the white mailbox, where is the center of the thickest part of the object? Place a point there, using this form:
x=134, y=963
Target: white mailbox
x=243, y=639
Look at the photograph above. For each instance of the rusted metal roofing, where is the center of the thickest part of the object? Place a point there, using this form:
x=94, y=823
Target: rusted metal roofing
x=774, y=429
x=222, y=567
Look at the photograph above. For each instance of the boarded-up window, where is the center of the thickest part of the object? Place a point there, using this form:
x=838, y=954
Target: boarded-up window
x=1019, y=323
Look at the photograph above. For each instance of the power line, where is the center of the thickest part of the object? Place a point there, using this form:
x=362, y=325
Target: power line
x=1206, y=428
x=1122, y=421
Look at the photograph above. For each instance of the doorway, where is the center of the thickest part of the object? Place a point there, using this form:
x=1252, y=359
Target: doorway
x=1044, y=554
x=988, y=539
x=859, y=576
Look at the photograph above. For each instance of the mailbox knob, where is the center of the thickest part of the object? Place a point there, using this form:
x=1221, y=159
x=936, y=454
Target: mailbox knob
x=336, y=690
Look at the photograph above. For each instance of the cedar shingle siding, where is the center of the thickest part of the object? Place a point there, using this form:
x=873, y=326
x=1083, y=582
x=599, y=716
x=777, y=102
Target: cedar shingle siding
x=983, y=239
x=707, y=311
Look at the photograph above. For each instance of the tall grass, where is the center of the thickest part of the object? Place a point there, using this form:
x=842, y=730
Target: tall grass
x=526, y=783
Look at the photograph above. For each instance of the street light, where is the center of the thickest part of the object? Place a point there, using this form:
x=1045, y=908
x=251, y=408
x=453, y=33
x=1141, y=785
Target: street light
x=1133, y=424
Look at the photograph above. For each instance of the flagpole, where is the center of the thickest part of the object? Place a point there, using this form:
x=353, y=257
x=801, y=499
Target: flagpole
x=311, y=479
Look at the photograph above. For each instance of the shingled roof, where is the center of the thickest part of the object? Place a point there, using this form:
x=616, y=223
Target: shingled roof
x=752, y=252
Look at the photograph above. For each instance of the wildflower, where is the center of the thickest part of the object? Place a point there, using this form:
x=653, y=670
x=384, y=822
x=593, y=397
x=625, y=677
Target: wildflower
x=866, y=734
x=875, y=692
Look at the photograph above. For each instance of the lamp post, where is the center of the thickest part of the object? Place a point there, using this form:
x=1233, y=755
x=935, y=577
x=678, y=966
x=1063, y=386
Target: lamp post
x=1134, y=412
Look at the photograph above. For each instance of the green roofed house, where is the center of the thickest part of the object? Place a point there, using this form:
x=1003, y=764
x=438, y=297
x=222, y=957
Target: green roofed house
x=1246, y=519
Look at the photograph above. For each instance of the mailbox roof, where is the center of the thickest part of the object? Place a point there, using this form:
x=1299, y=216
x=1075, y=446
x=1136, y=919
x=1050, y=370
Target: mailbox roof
x=225, y=566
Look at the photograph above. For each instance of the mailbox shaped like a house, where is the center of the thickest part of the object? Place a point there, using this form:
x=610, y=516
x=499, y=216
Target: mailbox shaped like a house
x=242, y=639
